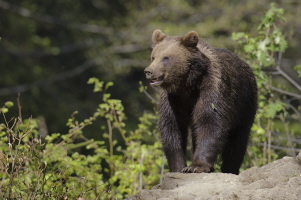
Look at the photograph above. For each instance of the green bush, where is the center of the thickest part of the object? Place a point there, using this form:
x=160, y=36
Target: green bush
x=264, y=53
x=54, y=169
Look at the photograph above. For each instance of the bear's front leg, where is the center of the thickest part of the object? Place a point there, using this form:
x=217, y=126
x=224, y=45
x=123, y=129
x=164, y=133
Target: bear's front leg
x=174, y=142
x=175, y=158
x=174, y=137
x=208, y=141
x=206, y=151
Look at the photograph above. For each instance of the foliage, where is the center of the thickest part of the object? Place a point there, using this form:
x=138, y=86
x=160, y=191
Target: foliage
x=298, y=69
x=264, y=52
x=54, y=169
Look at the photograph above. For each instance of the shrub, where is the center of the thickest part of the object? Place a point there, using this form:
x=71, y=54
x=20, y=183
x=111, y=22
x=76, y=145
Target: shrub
x=32, y=168
x=270, y=134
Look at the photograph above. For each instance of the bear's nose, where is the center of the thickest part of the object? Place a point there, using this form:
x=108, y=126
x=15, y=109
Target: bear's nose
x=148, y=72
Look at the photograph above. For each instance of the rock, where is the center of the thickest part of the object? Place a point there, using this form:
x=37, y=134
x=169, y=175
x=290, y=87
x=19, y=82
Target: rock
x=280, y=179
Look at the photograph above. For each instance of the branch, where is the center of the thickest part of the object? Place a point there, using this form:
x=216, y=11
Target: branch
x=82, y=144
x=281, y=148
x=286, y=92
x=150, y=97
x=285, y=75
x=295, y=110
x=19, y=108
x=289, y=140
x=278, y=138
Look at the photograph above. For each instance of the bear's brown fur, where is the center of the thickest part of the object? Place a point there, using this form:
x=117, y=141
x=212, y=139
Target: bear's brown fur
x=209, y=90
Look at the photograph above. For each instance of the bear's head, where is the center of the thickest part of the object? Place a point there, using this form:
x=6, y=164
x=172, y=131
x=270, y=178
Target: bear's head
x=171, y=59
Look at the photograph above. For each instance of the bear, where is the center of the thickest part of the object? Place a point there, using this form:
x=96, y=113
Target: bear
x=207, y=92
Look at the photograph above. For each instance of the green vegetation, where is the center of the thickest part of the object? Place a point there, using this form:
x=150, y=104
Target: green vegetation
x=54, y=169
x=49, y=51
x=264, y=54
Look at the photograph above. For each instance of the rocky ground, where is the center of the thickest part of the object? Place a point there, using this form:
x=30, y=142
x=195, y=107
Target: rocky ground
x=280, y=179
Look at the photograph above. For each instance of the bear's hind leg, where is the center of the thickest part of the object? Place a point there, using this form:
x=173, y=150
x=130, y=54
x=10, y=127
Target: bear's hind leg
x=234, y=151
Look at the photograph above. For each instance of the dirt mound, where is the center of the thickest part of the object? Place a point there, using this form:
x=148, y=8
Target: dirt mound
x=280, y=179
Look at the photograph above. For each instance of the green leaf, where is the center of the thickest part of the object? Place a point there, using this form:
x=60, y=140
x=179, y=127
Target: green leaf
x=249, y=48
x=298, y=69
x=3, y=110
x=238, y=35
x=9, y=104
x=109, y=84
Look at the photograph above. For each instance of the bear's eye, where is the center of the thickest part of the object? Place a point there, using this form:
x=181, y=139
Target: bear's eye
x=165, y=59
x=152, y=59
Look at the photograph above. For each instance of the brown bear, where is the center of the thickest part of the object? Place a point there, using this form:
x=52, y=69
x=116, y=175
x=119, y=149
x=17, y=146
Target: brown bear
x=207, y=90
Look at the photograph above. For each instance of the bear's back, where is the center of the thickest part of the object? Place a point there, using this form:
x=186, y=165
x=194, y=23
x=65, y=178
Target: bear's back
x=232, y=80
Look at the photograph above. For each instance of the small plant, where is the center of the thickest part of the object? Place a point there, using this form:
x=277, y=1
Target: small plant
x=53, y=169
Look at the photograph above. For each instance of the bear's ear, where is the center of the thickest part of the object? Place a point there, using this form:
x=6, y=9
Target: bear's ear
x=158, y=36
x=191, y=39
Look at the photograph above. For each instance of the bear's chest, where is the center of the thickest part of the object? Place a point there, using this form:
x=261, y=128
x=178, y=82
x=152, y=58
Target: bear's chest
x=183, y=105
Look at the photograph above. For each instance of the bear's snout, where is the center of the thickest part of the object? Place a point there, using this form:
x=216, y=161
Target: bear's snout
x=148, y=72
x=156, y=78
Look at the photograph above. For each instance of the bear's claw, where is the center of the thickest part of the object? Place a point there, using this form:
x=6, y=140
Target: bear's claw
x=196, y=169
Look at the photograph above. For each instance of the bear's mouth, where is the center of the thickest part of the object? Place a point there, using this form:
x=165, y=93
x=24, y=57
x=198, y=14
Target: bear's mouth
x=157, y=81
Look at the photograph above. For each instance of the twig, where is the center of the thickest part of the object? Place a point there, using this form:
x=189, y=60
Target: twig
x=9, y=129
x=295, y=110
x=289, y=140
x=19, y=108
x=280, y=148
x=141, y=174
x=110, y=135
x=162, y=170
x=285, y=75
x=269, y=135
x=286, y=92
x=75, y=146
x=279, y=60
x=278, y=136
x=264, y=152
x=149, y=96
x=254, y=161
x=118, y=126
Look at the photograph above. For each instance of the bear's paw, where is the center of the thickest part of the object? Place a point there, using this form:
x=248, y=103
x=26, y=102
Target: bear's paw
x=197, y=168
